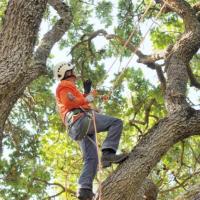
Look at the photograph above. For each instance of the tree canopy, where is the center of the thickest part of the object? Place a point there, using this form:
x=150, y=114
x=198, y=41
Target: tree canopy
x=152, y=95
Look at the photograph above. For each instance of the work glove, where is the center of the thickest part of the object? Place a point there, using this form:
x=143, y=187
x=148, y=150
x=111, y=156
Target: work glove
x=89, y=98
x=87, y=86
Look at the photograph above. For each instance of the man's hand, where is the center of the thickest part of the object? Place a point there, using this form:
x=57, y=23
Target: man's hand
x=89, y=98
x=87, y=86
x=70, y=96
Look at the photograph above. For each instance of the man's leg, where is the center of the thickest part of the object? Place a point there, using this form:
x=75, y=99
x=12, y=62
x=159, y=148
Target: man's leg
x=114, y=127
x=89, y=170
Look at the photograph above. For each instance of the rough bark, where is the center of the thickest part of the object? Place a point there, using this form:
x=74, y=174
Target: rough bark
x=192, y=194
x=148, y=191
x=19, y=65
x=181, y=122
x=180, y=55
x=17, y=41
x=128, y=178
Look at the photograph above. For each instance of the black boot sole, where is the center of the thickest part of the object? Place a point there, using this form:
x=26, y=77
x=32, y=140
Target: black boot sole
x=108, y=163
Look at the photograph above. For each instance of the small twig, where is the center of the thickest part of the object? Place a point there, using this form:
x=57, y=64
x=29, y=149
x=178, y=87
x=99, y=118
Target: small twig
x=147, y=109
x=181, y=158
x=193, y=80
x=182, y=184
x=55, y=184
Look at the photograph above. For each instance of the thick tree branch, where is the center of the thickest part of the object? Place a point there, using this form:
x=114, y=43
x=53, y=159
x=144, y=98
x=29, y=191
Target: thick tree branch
x=55, y=34
x=183, y=9
x=148, y=191
x=180, y=55
x=52, y=184
x=17, y=41
x=148, y=60
x=36, y=66
x=123, y=184
x=17, y=38
x=19, y=65
x=196, y=6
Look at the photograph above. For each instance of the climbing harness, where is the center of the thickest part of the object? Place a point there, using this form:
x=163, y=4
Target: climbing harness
x=79, y=114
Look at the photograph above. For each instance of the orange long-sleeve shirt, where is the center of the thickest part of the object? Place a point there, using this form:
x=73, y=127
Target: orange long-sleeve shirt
x=64, y=103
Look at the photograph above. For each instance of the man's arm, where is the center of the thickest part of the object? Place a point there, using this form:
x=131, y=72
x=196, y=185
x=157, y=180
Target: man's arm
x=68, y=97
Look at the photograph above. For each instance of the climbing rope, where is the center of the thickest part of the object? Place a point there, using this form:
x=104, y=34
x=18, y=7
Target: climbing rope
x=136, y=49
x=113, y=88
x=96, y=143
x=126, y=42
x=98, y=153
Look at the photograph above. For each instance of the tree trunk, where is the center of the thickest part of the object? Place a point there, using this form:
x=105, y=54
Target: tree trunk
x=19, y=64
x=148, y=191
x=128, y=178
x=17, y=42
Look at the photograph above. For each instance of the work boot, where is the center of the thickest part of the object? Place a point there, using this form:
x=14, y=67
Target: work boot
x=109, y=158
x=85, y=194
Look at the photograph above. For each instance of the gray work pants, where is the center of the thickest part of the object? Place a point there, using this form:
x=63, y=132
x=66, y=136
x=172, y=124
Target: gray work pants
x=103, y=123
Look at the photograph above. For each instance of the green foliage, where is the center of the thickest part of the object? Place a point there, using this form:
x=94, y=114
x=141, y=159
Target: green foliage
x=178, y=169
x=38, y=148
x=195, y=65
x=166, y=33
x=126, y=14
x=20, y=168
x=3, y=5
x=103, y=12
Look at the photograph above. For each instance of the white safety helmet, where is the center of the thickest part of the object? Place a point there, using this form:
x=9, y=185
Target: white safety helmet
x=61, y=68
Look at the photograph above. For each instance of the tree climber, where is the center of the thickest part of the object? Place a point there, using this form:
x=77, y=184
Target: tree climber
x=75, y=111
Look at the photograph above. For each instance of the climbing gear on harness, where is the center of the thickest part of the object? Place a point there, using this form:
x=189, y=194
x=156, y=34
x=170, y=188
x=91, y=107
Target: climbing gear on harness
x=79, y=114
x=85, y=194
x=87, y=86
x=86, y=121
x=61, y=68
x=109, y=157
x=73, y=116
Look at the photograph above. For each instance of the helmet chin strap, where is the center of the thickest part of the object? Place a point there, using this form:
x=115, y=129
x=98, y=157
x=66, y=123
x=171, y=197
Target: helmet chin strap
x=70, y=75
x=77, y=76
